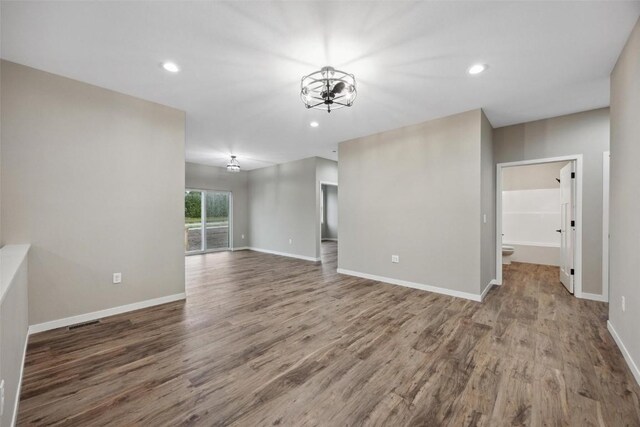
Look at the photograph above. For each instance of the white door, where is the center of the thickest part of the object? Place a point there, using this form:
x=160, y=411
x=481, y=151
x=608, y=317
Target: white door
x=567, y=225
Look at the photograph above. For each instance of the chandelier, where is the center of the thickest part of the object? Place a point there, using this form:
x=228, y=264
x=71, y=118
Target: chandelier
x=233, y=165
x=328, y=89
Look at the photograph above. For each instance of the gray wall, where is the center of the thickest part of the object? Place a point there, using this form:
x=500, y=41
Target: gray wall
x=414, y=192
x=532, y=177
x=94, y=180
x=1, y=239
x=284, y=204
x=585, y=133
x=625, y=196
x=487, y=204
x=330, y=205
x=201, y=177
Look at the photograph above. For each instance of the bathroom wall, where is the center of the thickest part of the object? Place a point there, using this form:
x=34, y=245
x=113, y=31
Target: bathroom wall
x=531, y=212
x=585, y=133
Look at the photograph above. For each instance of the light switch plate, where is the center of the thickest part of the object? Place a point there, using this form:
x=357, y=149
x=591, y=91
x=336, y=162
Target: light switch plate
x=395, y=258
x=117, y=278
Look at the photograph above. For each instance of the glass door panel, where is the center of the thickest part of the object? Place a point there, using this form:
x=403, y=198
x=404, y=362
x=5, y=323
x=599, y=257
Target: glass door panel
x=193, y=240
x=217, y=225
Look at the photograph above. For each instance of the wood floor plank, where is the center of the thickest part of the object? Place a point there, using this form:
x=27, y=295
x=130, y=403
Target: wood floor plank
x=267, y=340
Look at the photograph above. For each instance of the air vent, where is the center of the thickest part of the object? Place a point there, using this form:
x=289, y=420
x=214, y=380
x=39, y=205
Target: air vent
x=82, y=325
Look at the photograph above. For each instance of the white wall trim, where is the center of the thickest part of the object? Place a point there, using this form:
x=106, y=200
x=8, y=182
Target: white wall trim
x=268, y=251
x=487, y=289
x=87, y=317
x=593, y=297
x=422, y=287
x=630, y=362
x=14, y=418
x=579, y=223
x=605, y=224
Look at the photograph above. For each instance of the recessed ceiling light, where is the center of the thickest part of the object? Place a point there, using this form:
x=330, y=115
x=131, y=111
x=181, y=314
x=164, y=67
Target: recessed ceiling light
x=477, y=68
x=171, y=67
x=314, y=124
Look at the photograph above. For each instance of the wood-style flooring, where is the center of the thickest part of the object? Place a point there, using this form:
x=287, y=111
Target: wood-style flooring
x=264, y=340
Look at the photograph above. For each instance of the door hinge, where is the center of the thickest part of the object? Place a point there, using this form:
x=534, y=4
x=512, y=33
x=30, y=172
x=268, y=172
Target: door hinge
x=573, y=223
x=572, y=271
x=573, y=175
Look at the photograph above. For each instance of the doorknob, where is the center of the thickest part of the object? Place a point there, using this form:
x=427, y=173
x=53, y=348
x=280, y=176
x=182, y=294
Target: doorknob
x=559, y=231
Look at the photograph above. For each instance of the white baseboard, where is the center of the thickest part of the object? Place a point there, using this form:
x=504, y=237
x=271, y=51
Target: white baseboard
x=594, y=297
x=267, y=251
x=429, y=288
x=488, y=288
x=240, y=248
x=14, y=418
x=632, y=365
x=87, y=317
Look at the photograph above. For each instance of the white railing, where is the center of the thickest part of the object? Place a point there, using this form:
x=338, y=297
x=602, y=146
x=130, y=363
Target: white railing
x=14, y=326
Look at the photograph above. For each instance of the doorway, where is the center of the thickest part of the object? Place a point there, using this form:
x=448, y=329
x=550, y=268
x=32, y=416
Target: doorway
x=328, y=220
x=207, y=221
x=539, y=217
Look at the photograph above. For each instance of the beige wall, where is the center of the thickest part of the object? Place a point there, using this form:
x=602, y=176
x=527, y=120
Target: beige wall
x=203, y=177
x=488, y=204
x=532, y=177
x=585, y=133
x=414, y=192
x=625, y=197
x=94, y=180
x=283, y=205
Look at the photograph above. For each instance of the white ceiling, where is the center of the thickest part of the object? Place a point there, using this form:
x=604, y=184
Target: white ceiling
x=242, y=62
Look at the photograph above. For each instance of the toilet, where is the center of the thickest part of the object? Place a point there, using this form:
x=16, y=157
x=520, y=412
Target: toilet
x=507, y=251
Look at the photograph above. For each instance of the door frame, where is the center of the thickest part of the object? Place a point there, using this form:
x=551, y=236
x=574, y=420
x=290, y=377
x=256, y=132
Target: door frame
x=606, y=168
x=319, y=215
x=577, y=262
x=203, y=213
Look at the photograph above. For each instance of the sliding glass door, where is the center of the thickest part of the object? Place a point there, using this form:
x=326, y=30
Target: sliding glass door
x=217, y=220
x=207, y=225
x=193, y=240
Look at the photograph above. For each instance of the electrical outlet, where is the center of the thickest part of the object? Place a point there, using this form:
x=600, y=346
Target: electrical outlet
x=117, y=278
x=395, y=258
x=243, y=237
x=1, y=397
x=290, y=240
x=484, y=218
x=624, y=305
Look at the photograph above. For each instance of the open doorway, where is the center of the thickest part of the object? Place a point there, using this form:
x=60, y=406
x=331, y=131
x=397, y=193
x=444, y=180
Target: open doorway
x=328, y=220
x=538, y=221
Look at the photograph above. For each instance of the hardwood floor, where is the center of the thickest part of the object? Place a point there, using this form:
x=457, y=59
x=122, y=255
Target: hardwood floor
x=267, y=340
